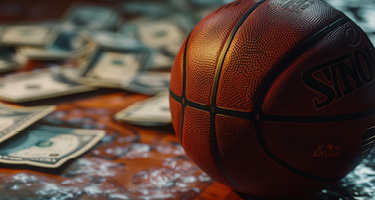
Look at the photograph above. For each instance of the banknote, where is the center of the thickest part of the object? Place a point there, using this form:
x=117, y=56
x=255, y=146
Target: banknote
x=90, y=17
x=15, y=118
x=150, y=112
x=40, y=84
x=155, y=33
x=149, y=83
x=111, y=68
x=47, y=146
x=163, y=35
x=209, y=3
x=115, y=41
x=27, y=35
x=10, y=59
x=158, y=8
x=68, y=44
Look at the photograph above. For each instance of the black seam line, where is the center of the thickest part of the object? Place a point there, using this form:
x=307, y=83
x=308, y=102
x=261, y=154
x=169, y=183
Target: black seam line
x=267, y=84
x=213, y=137
x=319, y=119
x=290, y=58
x=198, y=106
x=234, y=113
x=226, y=48
x=183, y=89
x=219, y=110
x=175, y=96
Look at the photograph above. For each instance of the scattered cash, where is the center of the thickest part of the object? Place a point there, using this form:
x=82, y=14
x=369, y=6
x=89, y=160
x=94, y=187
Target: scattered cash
x=156, y=33
x=163, y=35
x=15, y=118
x=90, y=17
x=111, y=68
x=107, y=50
x=47, y=146
x=67, y=45
x=40, y=84
x=27, y=35
x=115, y=41
x=150, y=112
x=158, y=8
x=149, y=83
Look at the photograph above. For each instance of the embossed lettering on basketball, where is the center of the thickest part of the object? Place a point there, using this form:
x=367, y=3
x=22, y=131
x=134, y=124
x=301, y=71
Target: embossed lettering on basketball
x=275, y=97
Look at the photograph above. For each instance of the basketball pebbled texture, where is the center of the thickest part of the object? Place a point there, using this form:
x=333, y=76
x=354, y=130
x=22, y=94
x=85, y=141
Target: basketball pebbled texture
x=275, y=97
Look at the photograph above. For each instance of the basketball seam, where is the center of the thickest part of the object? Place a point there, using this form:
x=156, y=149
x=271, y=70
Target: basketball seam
x=214, y=108
x=184, y=101
x=257, y=116
x=183, y=94
x=267, y=84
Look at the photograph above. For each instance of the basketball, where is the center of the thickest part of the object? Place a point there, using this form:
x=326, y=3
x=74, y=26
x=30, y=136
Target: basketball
x=275, y=98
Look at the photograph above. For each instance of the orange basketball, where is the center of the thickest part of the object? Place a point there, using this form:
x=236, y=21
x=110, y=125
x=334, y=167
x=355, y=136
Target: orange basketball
x=275, y=97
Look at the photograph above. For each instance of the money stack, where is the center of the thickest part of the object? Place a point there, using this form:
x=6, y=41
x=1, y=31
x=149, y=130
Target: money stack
x=129, y=47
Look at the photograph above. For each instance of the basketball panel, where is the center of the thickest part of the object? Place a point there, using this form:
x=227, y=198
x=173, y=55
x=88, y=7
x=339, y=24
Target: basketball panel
x=198, y=144
x=206, y=43
x=333, y=77
x=176, y=110
x=249, y=167
x=176, y=82
x=320, y=149
x=267, y=36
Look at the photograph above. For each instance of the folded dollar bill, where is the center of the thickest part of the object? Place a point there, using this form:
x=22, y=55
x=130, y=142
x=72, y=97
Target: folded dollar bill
x=115, y=41
x=89, y=17
x=48, y=146
x=40, y=84
x=16, y=118
x=150, y=112
x=68, y=44
x=149, y=83
x=109, y=68
x=155, y=33
x=27, y=35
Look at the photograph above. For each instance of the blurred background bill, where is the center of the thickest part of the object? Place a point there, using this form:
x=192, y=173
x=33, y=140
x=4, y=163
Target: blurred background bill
x=48, y=146
x=149, y=112
x=40, y=84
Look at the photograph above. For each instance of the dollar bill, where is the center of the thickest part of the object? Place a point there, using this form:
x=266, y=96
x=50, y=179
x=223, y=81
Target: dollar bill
x=158, y=8
x=27, y=35
x=155, y=33
x=68, y=44
x=40, y=84
x=115, y=41
x=89, y=17
x=150, y=83
x=111, y=68
x=10, y=59
x=150, y=112
x=162, y=58
x=163, y=35
x=15, y=118
x=47, y=146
